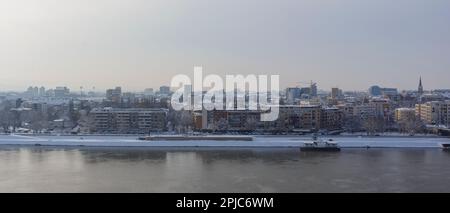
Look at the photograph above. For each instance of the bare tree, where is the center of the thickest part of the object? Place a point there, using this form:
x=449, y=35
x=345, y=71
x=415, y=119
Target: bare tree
x=72, y=113
x=411, y=125
x=222, y=124
x=6, y=119
x=283, y=123
x=352, y=124
x=251, y=124
x=38, y=121
x=86, y=122
x=182, y=121
x=374, y=125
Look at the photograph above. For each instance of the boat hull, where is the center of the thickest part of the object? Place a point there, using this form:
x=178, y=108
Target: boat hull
x=320, y=149
x=195, y=138
x=445, y=146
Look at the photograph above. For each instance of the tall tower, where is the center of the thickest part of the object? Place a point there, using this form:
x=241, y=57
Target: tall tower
x=420, y=90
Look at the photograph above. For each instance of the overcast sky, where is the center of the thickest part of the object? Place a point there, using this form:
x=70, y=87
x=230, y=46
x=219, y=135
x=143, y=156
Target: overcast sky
x=137, y=44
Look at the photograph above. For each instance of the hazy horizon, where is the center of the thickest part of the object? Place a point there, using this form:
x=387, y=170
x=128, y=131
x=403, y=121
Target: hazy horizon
x=137, y=44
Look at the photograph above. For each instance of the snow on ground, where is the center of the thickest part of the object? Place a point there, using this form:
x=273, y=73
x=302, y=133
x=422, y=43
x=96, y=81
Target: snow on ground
x=259, y=141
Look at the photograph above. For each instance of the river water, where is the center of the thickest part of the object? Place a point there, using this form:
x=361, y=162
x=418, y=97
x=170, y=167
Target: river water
x=57, y=169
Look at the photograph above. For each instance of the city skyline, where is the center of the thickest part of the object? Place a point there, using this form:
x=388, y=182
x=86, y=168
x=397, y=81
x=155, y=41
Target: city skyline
x=343, y=43
x=38, y=88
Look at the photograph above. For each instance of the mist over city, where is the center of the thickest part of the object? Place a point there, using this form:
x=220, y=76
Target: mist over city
x=350, y=44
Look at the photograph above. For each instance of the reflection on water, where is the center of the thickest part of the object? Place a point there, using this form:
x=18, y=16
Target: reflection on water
x=46, y=169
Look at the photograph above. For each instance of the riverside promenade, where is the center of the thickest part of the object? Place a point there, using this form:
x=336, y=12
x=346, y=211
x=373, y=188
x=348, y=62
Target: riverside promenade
x=257, y=142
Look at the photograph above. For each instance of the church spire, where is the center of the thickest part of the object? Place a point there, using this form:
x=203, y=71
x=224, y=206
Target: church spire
x=420, y=90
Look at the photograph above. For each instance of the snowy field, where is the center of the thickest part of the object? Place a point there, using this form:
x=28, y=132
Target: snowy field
x=259, y=141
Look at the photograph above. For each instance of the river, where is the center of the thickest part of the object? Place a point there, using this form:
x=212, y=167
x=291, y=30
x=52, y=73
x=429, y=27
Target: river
x=78, y=169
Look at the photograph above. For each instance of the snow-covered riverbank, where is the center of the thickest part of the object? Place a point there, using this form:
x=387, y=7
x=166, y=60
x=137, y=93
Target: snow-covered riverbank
x=259, y=141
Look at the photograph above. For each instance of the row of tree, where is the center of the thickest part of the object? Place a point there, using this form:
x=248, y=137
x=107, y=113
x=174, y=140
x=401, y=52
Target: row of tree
x=377, y=125
x=12, y=118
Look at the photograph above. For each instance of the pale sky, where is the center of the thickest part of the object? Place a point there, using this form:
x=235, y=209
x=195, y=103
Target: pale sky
x=137, y=44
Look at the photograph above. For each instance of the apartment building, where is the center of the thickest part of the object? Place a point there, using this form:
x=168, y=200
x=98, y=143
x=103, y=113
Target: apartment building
x=300, y=117
x=434, y=112
x=404, y=114
x=331, y=118
x=128, y=120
